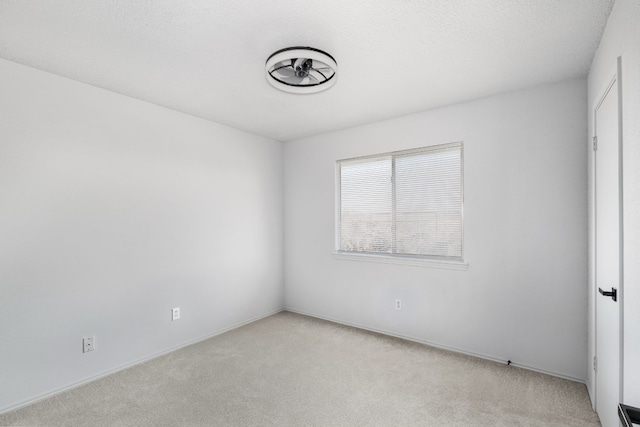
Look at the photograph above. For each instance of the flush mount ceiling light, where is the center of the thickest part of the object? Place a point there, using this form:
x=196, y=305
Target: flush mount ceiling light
x=301, y=70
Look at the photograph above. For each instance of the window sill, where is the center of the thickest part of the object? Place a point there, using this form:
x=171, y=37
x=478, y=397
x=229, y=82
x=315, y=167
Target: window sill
x=388, y=259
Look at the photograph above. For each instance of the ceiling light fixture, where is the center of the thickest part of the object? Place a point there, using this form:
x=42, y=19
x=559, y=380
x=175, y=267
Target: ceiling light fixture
x=301, y=70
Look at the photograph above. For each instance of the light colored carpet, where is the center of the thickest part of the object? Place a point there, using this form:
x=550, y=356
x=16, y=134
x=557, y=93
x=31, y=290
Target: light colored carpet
x=293, y=370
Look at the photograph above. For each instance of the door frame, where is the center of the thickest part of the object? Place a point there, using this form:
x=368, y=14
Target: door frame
x=613, y=82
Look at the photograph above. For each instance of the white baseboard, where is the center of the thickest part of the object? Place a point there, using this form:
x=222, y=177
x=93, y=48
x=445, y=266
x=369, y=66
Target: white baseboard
x=71, y=386
x=441, y=346
x=592, y=397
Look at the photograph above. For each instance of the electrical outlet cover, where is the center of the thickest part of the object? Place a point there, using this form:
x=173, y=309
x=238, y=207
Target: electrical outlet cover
x=88, y=344
x=175, y=313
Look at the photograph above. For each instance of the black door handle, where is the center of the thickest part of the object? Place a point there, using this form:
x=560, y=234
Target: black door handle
x=613, y=294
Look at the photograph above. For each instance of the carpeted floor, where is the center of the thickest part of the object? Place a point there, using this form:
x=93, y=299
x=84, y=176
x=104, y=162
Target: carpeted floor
x=293, y=370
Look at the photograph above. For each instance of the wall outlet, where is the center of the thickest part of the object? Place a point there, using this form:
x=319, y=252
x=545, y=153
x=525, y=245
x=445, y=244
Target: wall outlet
x=175, y=313
x=398, y=304
x=88, y=344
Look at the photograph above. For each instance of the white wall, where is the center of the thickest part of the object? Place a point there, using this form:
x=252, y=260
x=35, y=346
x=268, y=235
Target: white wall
x=113, y=211
x=524, y=295
x=622, y=38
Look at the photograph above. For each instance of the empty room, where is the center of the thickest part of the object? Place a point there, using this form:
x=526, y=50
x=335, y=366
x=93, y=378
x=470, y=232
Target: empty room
x=278, y=213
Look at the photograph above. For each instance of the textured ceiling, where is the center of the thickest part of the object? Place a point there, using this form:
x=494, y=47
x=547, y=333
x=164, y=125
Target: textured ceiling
x=206, y=57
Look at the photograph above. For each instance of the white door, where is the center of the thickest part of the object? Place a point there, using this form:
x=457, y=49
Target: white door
x=608, y=254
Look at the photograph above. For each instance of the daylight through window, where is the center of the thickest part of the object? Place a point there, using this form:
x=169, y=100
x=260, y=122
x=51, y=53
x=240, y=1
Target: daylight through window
x=406, y=203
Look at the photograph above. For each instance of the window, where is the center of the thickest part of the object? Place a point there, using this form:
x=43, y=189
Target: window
x=403, y=204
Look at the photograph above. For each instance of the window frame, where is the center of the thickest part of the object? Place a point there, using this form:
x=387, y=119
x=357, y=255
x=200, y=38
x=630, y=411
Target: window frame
x=449, y=262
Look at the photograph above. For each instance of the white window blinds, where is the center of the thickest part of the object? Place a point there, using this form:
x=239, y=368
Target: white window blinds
x=402, y=203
